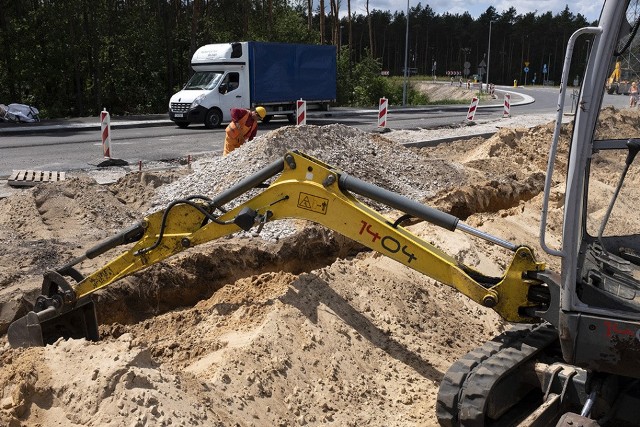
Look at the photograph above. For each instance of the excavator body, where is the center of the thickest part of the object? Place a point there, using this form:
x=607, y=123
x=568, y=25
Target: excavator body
x=573, y=355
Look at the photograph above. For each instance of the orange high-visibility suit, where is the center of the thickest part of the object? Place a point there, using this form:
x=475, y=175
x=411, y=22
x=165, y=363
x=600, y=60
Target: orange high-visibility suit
x=243, y=128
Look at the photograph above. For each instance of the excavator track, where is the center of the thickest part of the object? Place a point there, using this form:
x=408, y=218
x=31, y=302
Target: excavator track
x=466, y=388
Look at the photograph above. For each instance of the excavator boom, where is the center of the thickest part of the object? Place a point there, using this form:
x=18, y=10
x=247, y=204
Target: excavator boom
x=303, y=188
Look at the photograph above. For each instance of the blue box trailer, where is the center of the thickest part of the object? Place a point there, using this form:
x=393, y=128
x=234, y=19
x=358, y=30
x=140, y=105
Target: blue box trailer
x=282, y=72
x=251, y=74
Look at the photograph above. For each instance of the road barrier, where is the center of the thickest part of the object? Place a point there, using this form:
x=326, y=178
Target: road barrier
x=105, y=127
x=472, y=109
x=507, y=106
x=301, y=112
x=382, y=112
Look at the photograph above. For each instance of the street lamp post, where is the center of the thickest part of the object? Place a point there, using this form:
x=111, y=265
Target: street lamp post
x=465, y=51
x=406, y=56
x=489, y=55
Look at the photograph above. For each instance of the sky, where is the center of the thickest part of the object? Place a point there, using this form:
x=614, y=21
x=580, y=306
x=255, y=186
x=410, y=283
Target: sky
x=590, y=9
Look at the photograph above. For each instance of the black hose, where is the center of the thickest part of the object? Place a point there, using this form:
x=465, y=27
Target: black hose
x=165, y=215
x=631, y=37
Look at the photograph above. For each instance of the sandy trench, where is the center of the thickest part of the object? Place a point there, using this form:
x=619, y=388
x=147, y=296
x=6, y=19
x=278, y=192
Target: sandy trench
x=299, y=326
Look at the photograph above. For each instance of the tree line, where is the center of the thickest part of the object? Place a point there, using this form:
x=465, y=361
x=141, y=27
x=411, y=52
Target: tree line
x=73, y=58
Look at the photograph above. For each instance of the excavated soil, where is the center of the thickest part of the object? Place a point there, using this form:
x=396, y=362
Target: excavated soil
x=296, y=326
x=455, y=91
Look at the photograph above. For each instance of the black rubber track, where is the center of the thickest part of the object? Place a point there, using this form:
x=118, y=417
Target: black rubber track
x=466, y=386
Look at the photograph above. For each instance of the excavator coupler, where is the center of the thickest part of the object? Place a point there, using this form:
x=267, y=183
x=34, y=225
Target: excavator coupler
x=56, y=314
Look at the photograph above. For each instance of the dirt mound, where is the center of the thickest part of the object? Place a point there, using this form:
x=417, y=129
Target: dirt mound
x=136, y=190
x=446, y=92
x=305, y=329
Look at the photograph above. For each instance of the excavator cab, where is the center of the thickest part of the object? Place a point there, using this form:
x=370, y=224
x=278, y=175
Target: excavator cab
x=598, y=295
x=581, y=366
x=609, y=257
x=607, y=291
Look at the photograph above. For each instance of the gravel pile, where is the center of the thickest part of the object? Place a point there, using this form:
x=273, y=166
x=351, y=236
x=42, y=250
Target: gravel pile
x=367, y=156
x=380, y=159
x=361, y=154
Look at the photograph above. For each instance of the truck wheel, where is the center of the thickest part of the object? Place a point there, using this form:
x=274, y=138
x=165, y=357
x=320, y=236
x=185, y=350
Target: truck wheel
x=267, y=119
x=213, y=119
x=292, y=118
x=183, y=125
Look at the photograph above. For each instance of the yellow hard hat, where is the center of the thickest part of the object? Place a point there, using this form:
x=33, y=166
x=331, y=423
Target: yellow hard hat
x=261, y=112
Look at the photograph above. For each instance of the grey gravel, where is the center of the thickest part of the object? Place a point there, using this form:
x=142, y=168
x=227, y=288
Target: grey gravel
x=367, y=156
x=379, y=159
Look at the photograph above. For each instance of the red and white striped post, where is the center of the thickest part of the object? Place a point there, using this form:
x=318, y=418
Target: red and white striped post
x=472, y=109
x=382, y=112
x=301, y=112
x=507, y=106
x=105, y=127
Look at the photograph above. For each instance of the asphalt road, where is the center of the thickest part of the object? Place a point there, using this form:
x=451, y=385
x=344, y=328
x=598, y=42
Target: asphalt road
x=76, y=144
x=78, y=147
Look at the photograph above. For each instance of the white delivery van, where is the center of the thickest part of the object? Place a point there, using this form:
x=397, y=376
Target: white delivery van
x=248, y=74
x=215, y=88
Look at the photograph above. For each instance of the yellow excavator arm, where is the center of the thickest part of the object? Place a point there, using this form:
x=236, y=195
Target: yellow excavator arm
x=304, y=188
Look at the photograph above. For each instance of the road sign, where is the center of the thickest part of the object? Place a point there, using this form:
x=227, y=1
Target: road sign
x=526, y=63
x=544, y=68
x=482, y=64
x=467, y=64
x=526, y=69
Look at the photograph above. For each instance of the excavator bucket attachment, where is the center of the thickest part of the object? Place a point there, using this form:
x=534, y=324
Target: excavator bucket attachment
x=47, y=326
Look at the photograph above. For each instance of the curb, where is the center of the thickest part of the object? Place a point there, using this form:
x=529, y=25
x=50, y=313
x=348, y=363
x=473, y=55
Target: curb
x=26, y=129
x=435, y=142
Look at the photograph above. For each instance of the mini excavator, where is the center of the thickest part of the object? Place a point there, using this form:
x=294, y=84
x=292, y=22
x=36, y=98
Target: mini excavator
x=573, y=355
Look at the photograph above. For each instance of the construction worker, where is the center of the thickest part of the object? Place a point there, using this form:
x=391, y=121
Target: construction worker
x=633, y=95
x=243, y=127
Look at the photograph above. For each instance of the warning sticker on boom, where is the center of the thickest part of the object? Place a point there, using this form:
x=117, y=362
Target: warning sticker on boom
x=313, y=203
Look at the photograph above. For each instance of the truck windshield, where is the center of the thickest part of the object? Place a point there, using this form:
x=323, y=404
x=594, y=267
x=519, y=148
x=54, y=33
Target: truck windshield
x=204, y=80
